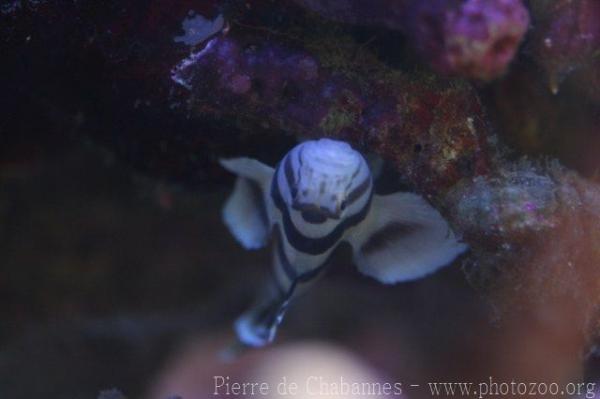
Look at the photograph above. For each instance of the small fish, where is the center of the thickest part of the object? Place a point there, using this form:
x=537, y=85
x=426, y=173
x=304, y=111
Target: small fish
x=319, y=195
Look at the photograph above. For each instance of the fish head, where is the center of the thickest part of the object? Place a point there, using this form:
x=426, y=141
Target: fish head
x=325, y=176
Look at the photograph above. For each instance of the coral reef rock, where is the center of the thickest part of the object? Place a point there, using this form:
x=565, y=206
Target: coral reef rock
x=476, y=39
x=566, y=37
x=433, y=130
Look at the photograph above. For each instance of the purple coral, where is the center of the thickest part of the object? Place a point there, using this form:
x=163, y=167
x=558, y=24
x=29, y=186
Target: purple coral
x=478, y=39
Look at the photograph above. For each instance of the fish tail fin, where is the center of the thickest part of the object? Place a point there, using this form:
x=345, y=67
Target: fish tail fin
x=258, y=325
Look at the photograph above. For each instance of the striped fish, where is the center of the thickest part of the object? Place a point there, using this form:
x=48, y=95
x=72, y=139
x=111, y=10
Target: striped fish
x=320, y=195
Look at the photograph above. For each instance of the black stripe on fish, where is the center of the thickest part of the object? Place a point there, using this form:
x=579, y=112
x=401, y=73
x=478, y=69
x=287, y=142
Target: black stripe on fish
x=287, y=267
x=313, y=246
x=358, y=191
x=289, y=176
x=356, y=172
x=314, y=216
x=271, y=312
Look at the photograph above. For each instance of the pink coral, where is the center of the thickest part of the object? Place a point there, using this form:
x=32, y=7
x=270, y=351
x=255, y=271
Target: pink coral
x=481, y=38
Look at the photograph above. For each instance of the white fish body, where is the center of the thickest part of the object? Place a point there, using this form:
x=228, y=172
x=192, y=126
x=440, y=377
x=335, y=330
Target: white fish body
x=320, y=195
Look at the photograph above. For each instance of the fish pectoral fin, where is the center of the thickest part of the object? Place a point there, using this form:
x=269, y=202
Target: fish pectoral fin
x=245, y=214
x=403, y=238
x=250, y=169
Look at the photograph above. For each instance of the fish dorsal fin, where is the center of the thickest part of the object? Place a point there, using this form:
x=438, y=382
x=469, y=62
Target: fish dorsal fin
x=246, y=212
x=403, y=238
